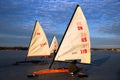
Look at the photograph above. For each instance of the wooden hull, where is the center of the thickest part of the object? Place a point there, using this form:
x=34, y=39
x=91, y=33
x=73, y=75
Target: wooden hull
x=50, y=71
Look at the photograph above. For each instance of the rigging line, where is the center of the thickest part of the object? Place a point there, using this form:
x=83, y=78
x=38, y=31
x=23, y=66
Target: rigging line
x=64, y=36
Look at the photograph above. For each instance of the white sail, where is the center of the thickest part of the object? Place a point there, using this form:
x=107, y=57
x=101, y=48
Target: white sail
x=39, y=45
x=76, y=42
x=54, y=45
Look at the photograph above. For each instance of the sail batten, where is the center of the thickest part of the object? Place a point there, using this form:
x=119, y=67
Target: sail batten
x=39, y=44
x=75, y=44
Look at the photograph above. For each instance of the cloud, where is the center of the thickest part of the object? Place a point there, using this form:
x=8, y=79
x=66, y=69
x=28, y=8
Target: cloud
x=14, y=40
x=18, y=17
x=97, y=42
x=104, y=18
x=44, y=11
x=111, y=29
x=111, y=22
x=13, y=36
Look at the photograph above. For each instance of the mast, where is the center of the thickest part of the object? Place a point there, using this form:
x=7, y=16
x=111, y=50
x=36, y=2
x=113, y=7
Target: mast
x=63, y=36
x=30, y=40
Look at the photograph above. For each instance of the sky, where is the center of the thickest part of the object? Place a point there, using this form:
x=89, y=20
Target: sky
x=17, y=19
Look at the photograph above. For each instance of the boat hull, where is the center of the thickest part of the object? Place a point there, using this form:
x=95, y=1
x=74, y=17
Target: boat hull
x=51, y=71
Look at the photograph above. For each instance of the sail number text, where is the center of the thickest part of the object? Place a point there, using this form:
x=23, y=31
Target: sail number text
x=83, y=34
x=83, y=51
x=43, y=44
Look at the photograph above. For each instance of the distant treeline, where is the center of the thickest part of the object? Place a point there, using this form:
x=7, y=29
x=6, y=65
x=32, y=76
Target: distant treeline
x=107, y=49
x=26, y=48
x=13, y=48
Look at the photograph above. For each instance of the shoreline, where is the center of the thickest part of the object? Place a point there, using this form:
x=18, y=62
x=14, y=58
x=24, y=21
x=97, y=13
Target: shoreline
x=92, y=49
